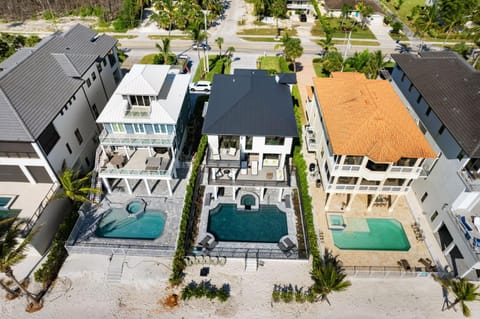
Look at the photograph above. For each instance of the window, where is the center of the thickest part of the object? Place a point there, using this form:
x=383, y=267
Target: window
x=156, y=128
x=424, y=197
x=419, y=98
x=434, y=215
x=79, y=137
x=49, y=138
x=95, y=110
x=138, y=128
x=94, y=76
x=74, y=98
x=68, y=148
x=170, y=129
x=410, y=87
x=89, y=83
x=118, y=128
x=248, y=142
x=422, y=128
x=429, y=110
x=139, y=100
x=461, y=155
x=275, y=140
x=403, y=77
x=441, y=129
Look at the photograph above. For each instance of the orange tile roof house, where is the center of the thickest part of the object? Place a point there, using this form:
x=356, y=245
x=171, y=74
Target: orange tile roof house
x=365, y=140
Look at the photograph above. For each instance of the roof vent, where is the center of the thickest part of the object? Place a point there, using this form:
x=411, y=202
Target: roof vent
x=94, y=38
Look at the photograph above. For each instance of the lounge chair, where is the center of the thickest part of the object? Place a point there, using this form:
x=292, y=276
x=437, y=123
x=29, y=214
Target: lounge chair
x=208, y=199
x=404, y=264
x=204, y=242
x=286, y=245
x=212, y=244
x=254, y=168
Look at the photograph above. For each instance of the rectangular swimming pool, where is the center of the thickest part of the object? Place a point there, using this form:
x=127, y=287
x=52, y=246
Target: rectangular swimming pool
x=266, y=225
x=371, y=234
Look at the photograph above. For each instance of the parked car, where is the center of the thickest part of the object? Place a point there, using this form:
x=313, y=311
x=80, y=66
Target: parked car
x=201, y=46
x=204, y=86
x=312, y=168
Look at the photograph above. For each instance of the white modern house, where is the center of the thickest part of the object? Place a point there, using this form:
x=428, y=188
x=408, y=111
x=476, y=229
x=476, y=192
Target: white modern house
x=143, y=125
x=299, y=5
x=364, y=139
x=250, y=124
x=443, y=91
x=50, y=97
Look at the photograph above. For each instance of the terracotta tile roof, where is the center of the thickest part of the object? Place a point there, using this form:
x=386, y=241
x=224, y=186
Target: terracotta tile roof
x=366, y=118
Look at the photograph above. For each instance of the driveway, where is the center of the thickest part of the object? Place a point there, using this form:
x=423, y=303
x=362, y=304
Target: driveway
x=304, y=78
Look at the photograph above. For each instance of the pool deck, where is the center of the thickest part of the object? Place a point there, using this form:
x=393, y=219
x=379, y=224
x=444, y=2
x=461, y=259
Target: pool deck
x=406, y=212
x=239, y=249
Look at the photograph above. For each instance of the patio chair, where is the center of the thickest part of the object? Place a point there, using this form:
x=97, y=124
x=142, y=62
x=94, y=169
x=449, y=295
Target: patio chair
x=204, y=242
x=208, y=199
x=288, y=203
x=286, y=245
x=254, y=168
x=212, y=245
x=404, y=264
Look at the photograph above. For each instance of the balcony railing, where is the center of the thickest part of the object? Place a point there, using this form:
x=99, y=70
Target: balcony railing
x=132, y=172
x=250, y=180
x=366, y=189
x=470, y=180
x=138, y=112
x=135, y=140
x=223, y=160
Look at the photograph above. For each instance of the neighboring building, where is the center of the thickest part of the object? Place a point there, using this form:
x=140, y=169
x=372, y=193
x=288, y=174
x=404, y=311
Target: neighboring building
x=444, y=92
x=334, y=7
x=50, y=97
x=250, y=124
x=144, y=122
x=366, y=142
x=299, y=5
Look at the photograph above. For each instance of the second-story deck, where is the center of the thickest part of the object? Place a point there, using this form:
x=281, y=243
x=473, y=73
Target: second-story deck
x=267, y=177
x=225, y=158
x=138, y=140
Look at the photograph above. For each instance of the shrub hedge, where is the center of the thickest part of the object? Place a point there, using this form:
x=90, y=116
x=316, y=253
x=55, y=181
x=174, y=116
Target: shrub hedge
x=57, y=254
x=302, y=182
x=205, y=289
x=178, y=264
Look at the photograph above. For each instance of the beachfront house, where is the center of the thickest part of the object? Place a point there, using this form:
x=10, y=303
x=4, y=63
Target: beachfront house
x=143, y=125
x=250, y=126
x=50, y=97
x=442, y=90
x=364, y=139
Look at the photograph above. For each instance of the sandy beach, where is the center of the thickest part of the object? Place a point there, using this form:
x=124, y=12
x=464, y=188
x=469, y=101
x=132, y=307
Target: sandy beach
x=82, y=291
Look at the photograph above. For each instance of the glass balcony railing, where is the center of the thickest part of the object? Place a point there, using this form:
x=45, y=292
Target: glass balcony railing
x=133, y=172
x=136, y=140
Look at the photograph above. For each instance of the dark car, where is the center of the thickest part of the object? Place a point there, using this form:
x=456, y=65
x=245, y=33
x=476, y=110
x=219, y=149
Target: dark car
x=312, y=168
x=303, y=17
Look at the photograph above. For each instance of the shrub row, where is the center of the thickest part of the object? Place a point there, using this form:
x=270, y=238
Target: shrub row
x=57, y=254
x=205, y=289
x=288, y=293
x=302, y=183
x=178, y=260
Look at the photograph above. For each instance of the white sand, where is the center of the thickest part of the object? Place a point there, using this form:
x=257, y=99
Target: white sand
x=82, y=292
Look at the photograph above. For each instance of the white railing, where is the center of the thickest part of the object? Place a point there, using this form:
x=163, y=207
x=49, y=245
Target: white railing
x=36, y=214
x=367, y=189
x=112, y=172
x=135, y=139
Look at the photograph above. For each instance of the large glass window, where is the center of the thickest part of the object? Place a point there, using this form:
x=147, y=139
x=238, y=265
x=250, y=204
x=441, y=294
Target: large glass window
x=249, y=143
x=274, y=140
x=138, y=128
x=139, y=100
x=118, y=128
x=170, y=129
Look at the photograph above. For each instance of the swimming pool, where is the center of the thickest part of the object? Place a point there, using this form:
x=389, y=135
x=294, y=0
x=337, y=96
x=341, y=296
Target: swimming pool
x=265, y=225
x=335, y=221
x=5, y=214
x=371, y=234
x=116, y=223
x=6, y=201
x=247, y=200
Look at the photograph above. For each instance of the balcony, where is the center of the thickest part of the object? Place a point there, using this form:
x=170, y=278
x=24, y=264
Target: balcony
x=226, y=158
x=310, y=139
x=138, y=140
x=138, y=164
x=471, y=179
x=138, y=112
x=267, y=177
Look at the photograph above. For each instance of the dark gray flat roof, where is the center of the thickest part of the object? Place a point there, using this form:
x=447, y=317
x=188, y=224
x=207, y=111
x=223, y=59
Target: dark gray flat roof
x=451, y=87
x=38, y=83
x=249, y=102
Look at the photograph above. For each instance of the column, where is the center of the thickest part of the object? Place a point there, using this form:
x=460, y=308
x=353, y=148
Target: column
x=329, y=200
x=149, y=192
x=169, y=188
x=280, y=193
x=350, y=202
x=370, y=205
x=212, y=173
x=149, y=151
x=282, y=161
x=260, y=161
x=126, y=152
x=27, y=174
x=234, y=189
x=390, y=209
x=106, y=184
x=103, y=150
x=215, y=192
x=129, y=188
x=262, y=190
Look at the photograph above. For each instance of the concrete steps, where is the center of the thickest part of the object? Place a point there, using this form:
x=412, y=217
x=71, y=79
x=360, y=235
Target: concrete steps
x=115, y=268
x=251, y=262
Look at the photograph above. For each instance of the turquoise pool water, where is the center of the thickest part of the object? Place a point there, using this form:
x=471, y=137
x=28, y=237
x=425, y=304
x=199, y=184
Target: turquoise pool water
x=134, y=207
x=247, y=200
x=266, y=225
x=381, y=234
x=4, y=202
x=336, y=220
x=116, y=223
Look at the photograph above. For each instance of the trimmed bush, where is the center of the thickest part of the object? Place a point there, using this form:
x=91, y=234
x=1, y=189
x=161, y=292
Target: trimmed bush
x=178, y=264
x=205, y=289
x=287, y=294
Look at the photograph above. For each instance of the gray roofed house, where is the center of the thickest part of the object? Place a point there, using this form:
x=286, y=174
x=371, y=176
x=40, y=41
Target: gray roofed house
x=249, y=102
x=36, y=83
x=451, y=87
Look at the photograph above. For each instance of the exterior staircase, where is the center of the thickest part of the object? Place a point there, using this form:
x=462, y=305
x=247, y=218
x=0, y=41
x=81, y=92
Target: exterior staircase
x=251, y=261
x=115, y=268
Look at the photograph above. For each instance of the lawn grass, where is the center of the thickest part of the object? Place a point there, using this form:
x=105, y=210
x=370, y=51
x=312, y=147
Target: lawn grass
x=336, y=32
x=269, y=31
x=173, y=37
x=216, y=64
x=400, y=36
x=273, y=63
x=356, y=42
x=125, y=36
x=405, y=9
x=148, y=59
x=259, y=39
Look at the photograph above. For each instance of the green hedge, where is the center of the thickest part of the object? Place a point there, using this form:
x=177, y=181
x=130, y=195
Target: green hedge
x=205, y=289
x=302, y=182
x=178, y=260
x=57, y=254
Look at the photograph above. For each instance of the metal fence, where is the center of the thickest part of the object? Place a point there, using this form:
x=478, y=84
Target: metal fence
x=260, y=253
x=388, y=272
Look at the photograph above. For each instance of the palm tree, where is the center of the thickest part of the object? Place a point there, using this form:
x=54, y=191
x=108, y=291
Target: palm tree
x=197, y=36
x=219, y=42
x=292, y=47
x=346, y=9
x=376, y=62
x=167, y=11
x=463, y=290
x=365, y=11
x=12, y=251
x=328, y=277
x=164, y=49
x=278, y=9
x=327, y=43
x=230, y=51
x=75, y=188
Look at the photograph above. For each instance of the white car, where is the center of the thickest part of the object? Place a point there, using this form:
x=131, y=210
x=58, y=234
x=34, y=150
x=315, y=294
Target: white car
x=204, y=86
